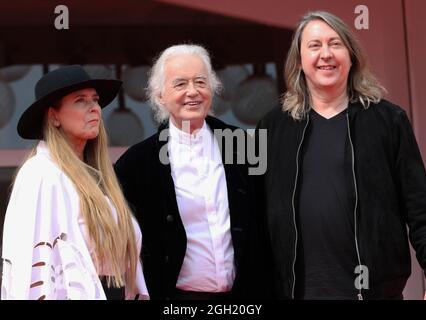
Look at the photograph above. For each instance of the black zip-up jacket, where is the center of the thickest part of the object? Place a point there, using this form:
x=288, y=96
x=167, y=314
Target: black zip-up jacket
x=389, y=180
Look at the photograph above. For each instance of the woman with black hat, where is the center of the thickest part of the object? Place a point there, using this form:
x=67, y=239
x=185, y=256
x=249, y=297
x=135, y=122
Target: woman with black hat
x=68, y=232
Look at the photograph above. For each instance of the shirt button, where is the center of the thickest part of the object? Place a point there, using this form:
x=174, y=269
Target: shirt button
x=169, y=218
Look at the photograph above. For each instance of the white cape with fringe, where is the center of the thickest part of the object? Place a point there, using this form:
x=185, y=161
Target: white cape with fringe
x=45, y=255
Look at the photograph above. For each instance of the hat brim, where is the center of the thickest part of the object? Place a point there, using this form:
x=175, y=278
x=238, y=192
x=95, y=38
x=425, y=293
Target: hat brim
x=30, y=125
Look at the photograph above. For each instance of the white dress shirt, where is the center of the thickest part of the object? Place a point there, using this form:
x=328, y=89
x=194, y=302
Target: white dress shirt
x=202, y=199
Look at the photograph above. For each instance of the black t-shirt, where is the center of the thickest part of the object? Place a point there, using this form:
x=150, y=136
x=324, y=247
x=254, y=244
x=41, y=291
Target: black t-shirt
x=326, y=257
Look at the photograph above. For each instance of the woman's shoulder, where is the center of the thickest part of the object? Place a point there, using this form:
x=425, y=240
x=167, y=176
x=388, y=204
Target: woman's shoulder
x=41, y=166
x=41, y=169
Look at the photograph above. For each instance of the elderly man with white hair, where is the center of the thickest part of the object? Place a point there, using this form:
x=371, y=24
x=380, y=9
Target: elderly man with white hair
x=202, y=240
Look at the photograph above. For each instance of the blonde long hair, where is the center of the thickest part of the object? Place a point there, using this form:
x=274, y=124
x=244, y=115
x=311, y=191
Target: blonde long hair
x=94, y=179
x=362, y=85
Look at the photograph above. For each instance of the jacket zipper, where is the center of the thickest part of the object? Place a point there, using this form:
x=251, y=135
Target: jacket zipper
x=360, y=297
x=294, y=210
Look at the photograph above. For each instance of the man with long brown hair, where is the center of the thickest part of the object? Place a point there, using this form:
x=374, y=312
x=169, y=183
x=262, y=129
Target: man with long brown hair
x=344, y=176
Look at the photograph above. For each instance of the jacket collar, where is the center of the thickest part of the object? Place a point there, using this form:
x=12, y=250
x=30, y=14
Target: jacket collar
x=212, y=122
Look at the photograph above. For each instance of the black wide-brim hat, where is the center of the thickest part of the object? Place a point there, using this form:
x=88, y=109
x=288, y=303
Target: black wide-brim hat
x=55, y=85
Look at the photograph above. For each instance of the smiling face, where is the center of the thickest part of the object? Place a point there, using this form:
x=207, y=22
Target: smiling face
x=324, y=57
x=78, y=115
x=187, y=94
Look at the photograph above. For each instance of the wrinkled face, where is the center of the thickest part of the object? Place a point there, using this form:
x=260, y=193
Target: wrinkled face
x=78, y=115
x=187, y=93
x=325, y=59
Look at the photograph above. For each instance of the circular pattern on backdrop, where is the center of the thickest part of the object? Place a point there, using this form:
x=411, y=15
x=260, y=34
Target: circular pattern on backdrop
x=220, y=105
x=13, y=73
x=135, y=80
x=7, y=104
x=99, y=71
x=231, y=77
x=254, y=97
x=124, y=128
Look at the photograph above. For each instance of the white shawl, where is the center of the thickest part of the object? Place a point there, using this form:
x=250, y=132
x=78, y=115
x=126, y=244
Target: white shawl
x=45, y=255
